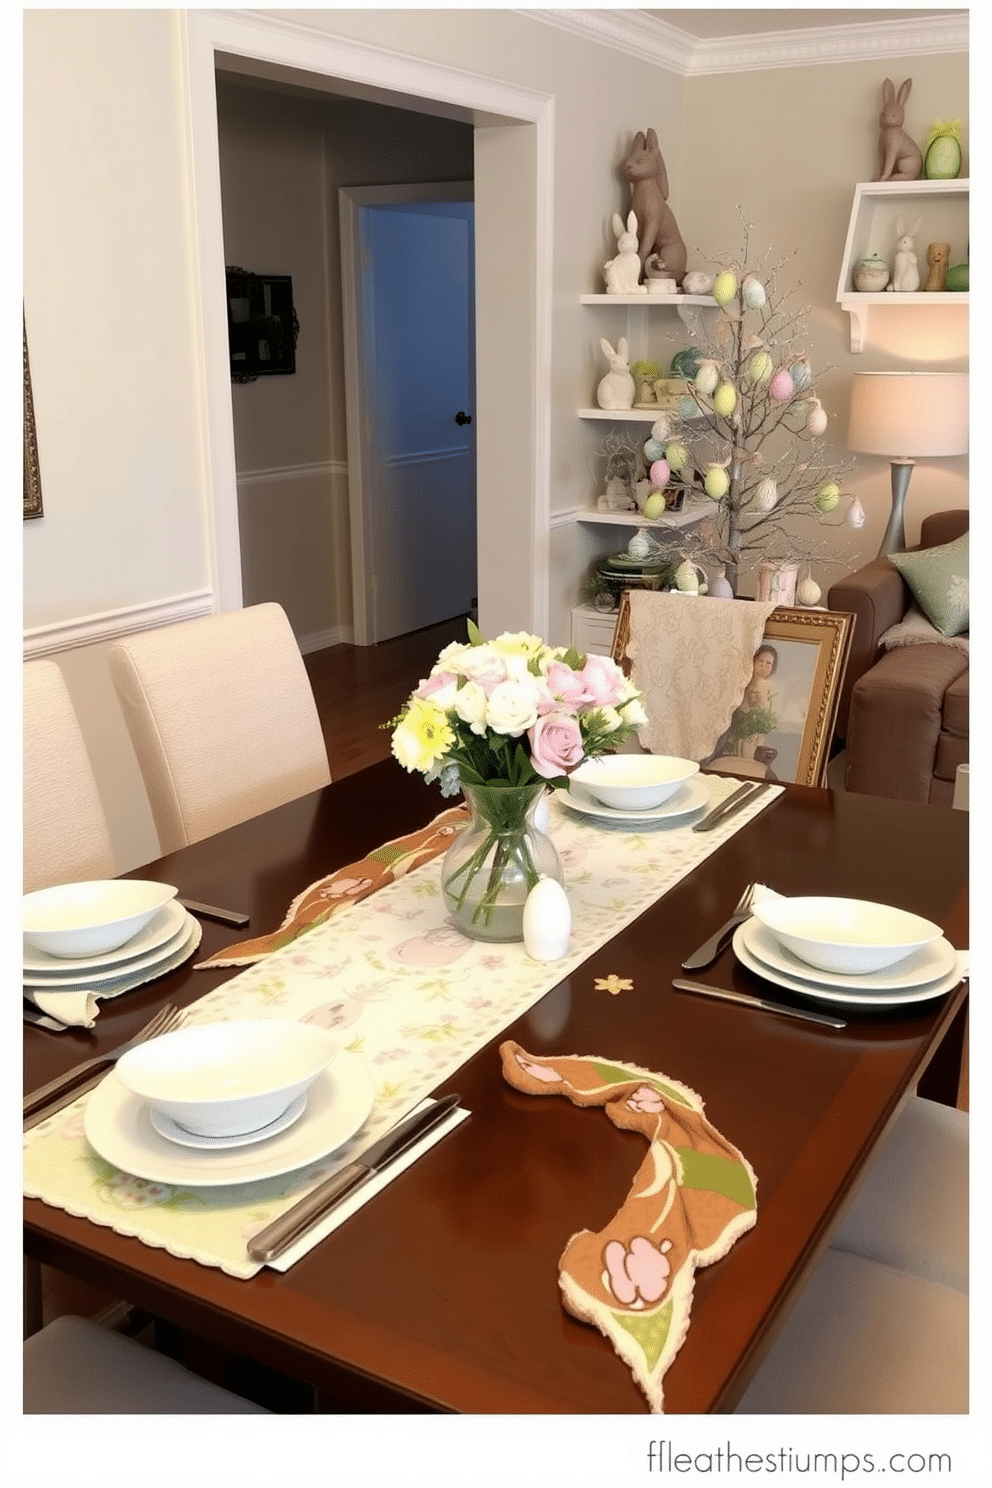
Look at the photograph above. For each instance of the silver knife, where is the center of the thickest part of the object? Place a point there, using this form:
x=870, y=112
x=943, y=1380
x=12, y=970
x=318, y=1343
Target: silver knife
x=299, y=1218
x=727, y=808
x=212, y=912
x=758, y=1002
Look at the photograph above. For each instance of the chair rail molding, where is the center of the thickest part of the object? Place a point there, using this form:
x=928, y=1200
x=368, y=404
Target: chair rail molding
x=108, y=625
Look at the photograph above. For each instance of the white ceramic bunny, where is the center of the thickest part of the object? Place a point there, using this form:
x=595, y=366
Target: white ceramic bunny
x=906, y=271
x=623, y=273
x=617, y=388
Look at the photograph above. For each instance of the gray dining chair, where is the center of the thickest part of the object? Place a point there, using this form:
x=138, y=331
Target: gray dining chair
x=74, y=1366
x=65, y=835
x=882, y=1326
x=222, y=718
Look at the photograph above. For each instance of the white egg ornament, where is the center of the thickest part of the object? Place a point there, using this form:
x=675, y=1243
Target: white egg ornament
x=808, y=593
x=661, y=428
x=547, y=921
x=855, y=514
x=766, y=494
x=753, y=293
x=707, y=377
x=816, y=423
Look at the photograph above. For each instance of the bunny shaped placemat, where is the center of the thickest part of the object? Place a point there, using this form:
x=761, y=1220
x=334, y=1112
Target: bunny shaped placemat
x=691, y=1198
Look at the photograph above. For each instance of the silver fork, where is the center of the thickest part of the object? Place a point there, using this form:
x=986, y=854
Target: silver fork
x=48, y=1099
x=710, y=949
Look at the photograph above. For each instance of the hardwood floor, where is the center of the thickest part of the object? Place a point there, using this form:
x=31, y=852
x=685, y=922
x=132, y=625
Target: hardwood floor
x=358, y=689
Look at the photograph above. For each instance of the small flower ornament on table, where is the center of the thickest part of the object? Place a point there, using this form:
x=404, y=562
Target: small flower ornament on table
x=503, y=721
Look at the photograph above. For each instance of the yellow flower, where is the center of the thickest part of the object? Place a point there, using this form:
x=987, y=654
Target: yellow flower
x=422, y=736
x=613, y=984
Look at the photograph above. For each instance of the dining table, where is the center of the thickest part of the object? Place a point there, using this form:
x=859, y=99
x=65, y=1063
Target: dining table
x=441, y=1294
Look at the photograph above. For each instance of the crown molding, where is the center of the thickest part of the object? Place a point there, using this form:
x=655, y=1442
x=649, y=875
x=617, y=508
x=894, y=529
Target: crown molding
x=655, y=41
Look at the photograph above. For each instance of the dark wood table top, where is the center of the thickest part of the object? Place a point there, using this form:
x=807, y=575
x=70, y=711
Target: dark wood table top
x=442, y=1294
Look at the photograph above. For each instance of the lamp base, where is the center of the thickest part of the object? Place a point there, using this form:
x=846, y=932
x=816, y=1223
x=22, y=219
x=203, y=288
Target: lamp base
x=894, y=540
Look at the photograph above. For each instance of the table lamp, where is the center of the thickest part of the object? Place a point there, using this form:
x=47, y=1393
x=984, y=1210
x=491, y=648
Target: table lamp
x=907, y=416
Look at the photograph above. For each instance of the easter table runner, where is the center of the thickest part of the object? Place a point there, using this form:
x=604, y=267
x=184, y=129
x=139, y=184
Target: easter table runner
x=411, y=996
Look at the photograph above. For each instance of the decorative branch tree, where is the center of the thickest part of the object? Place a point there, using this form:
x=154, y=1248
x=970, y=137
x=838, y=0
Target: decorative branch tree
x=749, y=433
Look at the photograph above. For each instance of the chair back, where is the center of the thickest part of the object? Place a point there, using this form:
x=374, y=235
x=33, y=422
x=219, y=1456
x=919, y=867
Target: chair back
x=222, y=718
x=66, y=839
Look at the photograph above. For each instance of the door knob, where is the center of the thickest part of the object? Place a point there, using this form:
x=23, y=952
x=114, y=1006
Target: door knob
x=463, y=418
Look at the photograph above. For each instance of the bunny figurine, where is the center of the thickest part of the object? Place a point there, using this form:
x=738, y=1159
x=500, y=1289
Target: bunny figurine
x=899, y=157
x=644, y=168
x=906, y=272
x=616, y=390
x=623, y=273
x=938, y=257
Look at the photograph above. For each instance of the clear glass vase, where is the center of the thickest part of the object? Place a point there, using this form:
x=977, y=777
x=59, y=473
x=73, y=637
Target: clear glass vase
x=495, y=861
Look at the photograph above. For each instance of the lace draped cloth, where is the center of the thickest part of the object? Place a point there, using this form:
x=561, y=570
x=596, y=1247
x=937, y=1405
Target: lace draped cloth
x=691, y=658
x=692, y=1197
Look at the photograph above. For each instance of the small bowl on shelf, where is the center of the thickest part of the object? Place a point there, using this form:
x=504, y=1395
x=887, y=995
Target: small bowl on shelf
x=853, y=937
x=634, y=782
x=91, y=918
x=227, y=1079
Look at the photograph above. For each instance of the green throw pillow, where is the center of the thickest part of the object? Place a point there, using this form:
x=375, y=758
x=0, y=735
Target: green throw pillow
x=938, y=578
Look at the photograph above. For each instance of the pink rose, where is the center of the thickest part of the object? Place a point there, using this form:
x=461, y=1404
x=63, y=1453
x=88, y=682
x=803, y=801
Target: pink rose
x=440, y=687
x=565, y=685
x=555, y=745
x=604, y=681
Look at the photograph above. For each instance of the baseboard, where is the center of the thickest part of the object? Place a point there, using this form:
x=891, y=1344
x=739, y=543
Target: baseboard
x=339, y=635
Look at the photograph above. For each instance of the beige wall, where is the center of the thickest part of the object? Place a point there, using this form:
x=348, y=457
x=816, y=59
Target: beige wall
x=111, y=298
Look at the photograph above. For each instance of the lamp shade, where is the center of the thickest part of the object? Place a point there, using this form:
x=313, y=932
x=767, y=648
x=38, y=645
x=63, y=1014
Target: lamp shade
x=909, y=415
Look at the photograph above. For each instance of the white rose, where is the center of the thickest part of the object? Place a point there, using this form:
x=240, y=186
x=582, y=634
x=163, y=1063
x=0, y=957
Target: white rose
x=610, y=719
x=470, y=705
x=512, y=707
x=633, y=712
x=482, y=664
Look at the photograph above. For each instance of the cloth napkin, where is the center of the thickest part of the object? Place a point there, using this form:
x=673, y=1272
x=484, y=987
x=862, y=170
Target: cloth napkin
x=691, y=1198
x=348, y=885
x=692, y=661
x=77, y=1005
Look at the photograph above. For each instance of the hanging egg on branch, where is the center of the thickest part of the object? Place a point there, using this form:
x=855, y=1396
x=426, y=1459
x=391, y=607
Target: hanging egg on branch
x=654, y=507
x=660, y=473
x=760, y=368
x=766, y=494
x=855, y=514
x=716, y=482
x=707, y=377
x=808, y=592
x=782, y=386
x=661, y=428
x=677, y=455
x=654, y=449
x=816, y=421
x=753, y=293
x=802, y=374
x=828, y=496
x=725, y=399
x=725, y=287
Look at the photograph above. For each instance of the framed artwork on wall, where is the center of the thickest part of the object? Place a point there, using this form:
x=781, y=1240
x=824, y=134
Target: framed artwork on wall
x=32, y=472
x=262, y=326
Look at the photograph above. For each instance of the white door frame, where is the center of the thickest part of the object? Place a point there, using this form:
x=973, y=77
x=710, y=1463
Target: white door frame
x=351, y=200
x=514, y=179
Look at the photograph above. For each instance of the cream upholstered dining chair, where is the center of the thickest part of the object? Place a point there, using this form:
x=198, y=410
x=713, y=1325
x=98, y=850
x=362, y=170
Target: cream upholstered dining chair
x=65, y=831
x=222, y=718
x=882, y=1326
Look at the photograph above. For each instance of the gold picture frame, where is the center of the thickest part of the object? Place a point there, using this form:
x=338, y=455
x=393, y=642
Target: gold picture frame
x=32, y=472
x=811, y=648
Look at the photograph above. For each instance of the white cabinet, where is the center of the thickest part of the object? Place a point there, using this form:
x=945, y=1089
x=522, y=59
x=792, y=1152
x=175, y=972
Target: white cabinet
x=593, y=630
x=942, y=207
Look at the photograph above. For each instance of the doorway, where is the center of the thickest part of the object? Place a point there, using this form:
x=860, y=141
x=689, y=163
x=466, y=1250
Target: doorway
x=408, y=303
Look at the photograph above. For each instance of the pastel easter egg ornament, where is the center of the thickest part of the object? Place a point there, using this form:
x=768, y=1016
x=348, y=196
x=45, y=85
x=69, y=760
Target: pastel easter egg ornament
x=654, y=507
x=654, y=449
x=827, y=497
x=716, y=482
x=816, y=420
x=725, y=287
x=753, y=293
x=725, y=399
x=781, y=386
x=661, y=428
x=677, y=455
x=547, y=922
x=855, y=514
x=808, y=592
x=707, y=377
x=802, y=375
x=766, y=494
x=760, y=368
x=720, y=587
x=942, y=153
x=660, y=473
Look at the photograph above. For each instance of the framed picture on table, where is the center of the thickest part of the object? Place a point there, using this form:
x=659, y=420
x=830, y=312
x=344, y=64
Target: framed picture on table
x=782, y=728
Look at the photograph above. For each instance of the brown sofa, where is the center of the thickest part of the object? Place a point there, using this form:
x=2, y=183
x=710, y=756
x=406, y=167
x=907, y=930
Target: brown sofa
x=903, y=713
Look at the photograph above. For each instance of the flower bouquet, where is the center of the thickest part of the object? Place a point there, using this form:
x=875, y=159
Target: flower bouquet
x=502, y=721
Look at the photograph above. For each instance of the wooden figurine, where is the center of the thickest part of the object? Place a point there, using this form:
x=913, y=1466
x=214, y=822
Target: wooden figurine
x=900, y=157
x=938, y=258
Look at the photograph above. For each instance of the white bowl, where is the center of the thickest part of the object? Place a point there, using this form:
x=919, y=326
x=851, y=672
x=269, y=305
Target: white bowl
x=222, y=1079
x=850, y=936
x=634, y=782
x=89, y=919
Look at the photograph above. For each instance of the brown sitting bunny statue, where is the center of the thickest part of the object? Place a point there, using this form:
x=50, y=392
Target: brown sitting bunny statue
x=644, y=168
x=899, y=156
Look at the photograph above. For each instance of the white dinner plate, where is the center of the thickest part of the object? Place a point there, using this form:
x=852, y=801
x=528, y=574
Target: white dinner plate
x=52, y=981
x=689, y=797
x=928, y=964
x=125, y=979
x=860, y=996
x=162, y=927
x=173, y=1132
x=117, y=1126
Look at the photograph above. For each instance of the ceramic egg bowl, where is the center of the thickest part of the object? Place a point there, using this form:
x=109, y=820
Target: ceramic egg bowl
x=849, y=936
x=634, y=782
x=89, y=919
x=225, y=1079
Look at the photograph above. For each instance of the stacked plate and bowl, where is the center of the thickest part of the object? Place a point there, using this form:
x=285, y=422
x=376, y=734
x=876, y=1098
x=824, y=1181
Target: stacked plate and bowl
x=103, y=936
x=852, y=951
x=636, y=790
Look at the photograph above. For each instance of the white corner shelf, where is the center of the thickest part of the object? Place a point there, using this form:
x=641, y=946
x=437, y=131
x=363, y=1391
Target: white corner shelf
x=593, y=517
x=943, y=208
